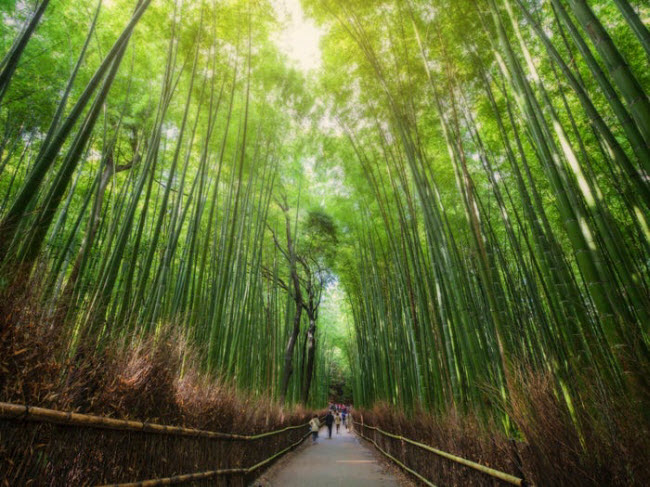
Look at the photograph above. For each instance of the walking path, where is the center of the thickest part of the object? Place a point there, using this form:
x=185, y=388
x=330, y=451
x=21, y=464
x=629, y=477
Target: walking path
x=341, y=461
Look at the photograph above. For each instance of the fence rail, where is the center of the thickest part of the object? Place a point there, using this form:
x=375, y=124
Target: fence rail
x=31, y=413
x=16, y=413
x=511, y=479
x=179, y=479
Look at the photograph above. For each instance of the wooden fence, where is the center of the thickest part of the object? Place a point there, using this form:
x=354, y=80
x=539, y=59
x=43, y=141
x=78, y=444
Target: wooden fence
x=407, y=454
x=45, y=447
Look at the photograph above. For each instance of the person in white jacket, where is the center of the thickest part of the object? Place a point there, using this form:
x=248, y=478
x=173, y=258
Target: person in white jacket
x=314, y=425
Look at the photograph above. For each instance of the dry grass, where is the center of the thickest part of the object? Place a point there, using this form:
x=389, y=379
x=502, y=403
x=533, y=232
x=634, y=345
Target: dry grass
x=610, y=448
x=141, y=382
x=460, y=435
x=144, y=382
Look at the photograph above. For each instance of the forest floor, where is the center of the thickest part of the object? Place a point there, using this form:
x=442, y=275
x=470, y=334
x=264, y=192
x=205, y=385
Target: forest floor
x=341, y=461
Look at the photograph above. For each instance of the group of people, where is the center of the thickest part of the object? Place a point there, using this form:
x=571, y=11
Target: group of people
x=337, y=414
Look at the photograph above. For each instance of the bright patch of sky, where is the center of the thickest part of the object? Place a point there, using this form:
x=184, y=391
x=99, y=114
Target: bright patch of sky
x=335, y=321
x=299, y=38
x=325, y=182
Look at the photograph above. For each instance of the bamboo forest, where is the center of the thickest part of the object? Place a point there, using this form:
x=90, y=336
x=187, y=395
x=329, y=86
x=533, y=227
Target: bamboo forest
x=220, y=219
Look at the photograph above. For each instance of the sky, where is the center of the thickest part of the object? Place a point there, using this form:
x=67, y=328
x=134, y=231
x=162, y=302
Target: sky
x=299, y=39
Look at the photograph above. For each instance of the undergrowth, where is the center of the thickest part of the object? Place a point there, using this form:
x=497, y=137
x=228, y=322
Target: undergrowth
x=609, y=448
x=151, y=380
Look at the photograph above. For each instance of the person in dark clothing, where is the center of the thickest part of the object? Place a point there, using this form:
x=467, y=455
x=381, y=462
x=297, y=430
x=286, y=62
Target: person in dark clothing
x=329, y=421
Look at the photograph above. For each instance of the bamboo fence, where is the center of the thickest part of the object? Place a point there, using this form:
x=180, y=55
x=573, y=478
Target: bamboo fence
x=495, y=474
x=49, y=447
x=179, y=479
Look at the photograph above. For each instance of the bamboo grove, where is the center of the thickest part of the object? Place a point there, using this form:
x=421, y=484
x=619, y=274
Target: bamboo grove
x=475, y=175
x=142, y=165
x=500, y=153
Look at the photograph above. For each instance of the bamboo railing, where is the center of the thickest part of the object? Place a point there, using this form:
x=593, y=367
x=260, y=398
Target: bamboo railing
x=31, y=413
x=179, y=479
x=17, y=412
x=497, y=474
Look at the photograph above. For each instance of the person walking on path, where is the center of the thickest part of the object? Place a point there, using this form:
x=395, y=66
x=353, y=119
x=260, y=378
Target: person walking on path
x=329, y=421
x=337, y=420
x=314, y=424
x=344, y=417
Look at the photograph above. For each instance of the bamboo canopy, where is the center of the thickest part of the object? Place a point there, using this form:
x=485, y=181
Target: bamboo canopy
x=448, y=225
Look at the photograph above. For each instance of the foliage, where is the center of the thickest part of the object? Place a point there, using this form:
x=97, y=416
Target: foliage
x=474, y=175
x=138, y=192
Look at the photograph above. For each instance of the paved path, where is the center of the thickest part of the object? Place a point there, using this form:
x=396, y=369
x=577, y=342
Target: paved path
x=341, y=461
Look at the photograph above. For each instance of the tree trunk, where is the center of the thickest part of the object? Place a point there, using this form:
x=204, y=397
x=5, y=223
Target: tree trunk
x=311, y=352
x=297, y=296
x=288, y=353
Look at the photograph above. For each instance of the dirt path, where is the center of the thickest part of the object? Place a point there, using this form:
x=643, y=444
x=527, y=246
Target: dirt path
x=341, y=461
